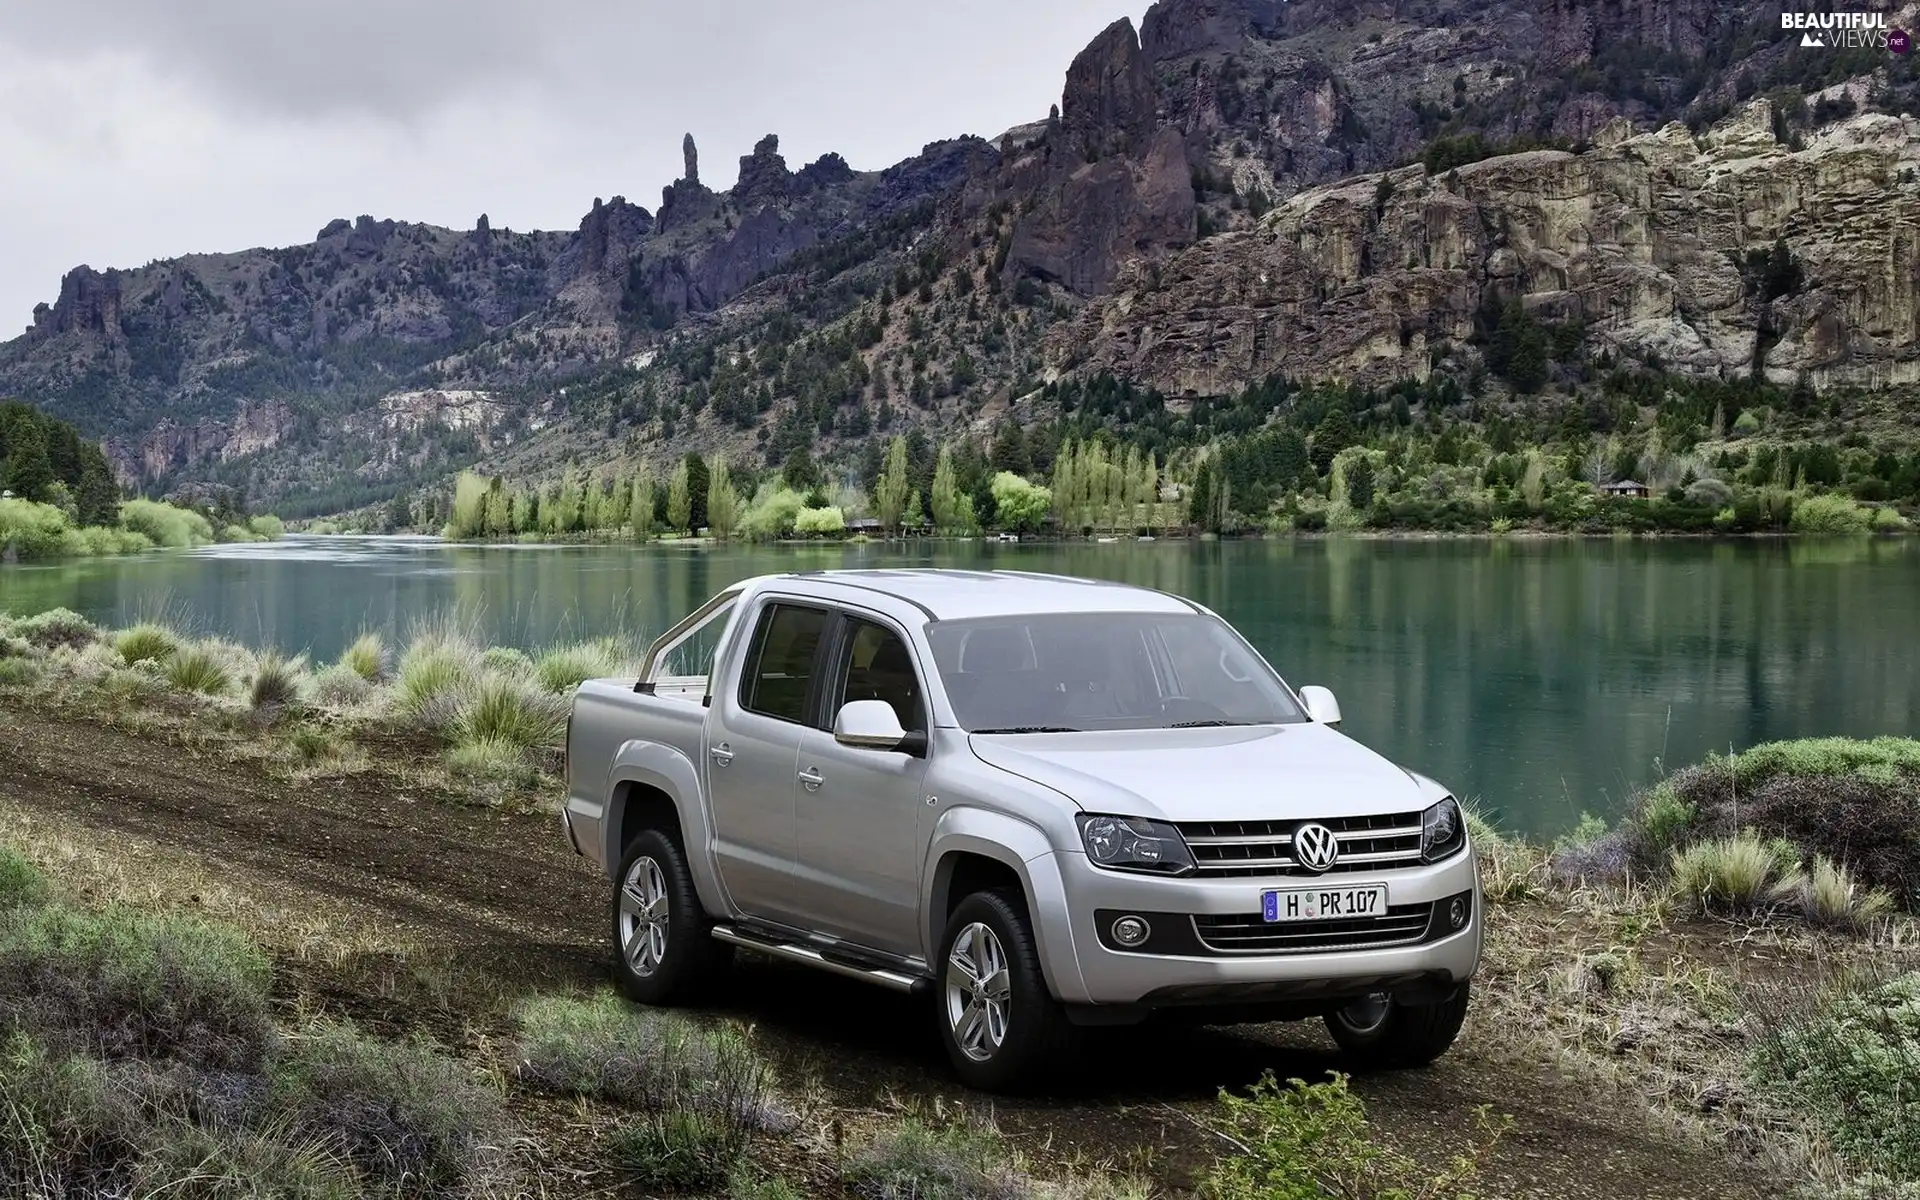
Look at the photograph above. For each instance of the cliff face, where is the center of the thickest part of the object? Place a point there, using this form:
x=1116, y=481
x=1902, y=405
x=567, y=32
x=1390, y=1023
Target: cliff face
x=1640, y=237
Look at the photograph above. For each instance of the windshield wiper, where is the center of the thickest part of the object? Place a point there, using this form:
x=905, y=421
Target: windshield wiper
x=1030, y=729
x=1210, y=724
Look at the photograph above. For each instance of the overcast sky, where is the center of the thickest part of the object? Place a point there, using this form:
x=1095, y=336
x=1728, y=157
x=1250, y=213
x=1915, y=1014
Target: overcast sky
x=139, y=129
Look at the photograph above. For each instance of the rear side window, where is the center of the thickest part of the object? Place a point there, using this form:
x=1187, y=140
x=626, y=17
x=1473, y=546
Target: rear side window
x=782, y=664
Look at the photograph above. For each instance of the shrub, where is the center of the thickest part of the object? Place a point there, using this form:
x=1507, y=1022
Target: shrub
x=98, y=540
x=32, y=530
x=1590, y=851
x=340, y=686
x=647, y=1059
x=313, y=743
x=21, y=883
x=146, y=642
x=496, y=709
x=276, y=681
x=1660, y=823
x=367, y=657
x=56, y=627
x=199, y=669
x=1889, y=520
x=1828, y=895
x=1307, y=1141
x=912, y=1160
x=66, y=1126
x=165, y=525
x=18, y=672
x=565, y=668
x=682, y=1151
x=404, y=1114
x=121, y=983
x=267, y=527
x=1829, y=514
x=430, y=673
x=1737, y=874
x=823, y=521
x=1854, y=801
x=491, y=760
x=1851, y=1065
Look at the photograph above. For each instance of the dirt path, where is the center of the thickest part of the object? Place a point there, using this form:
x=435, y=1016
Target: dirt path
x=414, y=898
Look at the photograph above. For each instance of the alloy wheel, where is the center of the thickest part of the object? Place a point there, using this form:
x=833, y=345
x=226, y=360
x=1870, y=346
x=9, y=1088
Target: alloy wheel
x=979, y=991
x=643, y=916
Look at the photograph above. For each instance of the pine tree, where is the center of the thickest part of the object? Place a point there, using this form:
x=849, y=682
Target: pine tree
x=29, y=470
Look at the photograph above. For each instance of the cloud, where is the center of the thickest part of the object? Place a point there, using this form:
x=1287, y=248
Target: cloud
x=135, y=130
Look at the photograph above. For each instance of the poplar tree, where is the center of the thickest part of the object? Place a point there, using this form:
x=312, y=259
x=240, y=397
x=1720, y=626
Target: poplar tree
x=890, y=497
x=723, y=502
x=679, y=498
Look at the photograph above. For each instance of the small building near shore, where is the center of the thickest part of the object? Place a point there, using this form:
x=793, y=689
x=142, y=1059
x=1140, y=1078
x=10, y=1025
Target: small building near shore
x=1627, y=489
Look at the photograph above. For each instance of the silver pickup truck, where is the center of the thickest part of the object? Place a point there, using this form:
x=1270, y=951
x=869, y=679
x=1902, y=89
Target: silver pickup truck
x=1048, y=802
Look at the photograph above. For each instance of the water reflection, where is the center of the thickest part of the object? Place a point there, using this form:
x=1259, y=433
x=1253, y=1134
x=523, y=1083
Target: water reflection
x=1548, y=677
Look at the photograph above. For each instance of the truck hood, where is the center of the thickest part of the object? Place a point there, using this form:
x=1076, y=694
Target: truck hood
x=1233, y=774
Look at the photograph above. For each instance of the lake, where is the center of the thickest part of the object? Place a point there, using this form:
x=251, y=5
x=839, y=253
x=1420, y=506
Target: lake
x=1546, y=677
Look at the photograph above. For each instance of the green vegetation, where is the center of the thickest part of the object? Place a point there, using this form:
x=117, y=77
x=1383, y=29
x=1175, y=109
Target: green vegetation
x=1307, y=1141
x=138, y=1056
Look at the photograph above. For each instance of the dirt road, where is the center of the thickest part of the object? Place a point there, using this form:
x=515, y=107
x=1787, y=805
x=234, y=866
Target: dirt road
x=403, y=900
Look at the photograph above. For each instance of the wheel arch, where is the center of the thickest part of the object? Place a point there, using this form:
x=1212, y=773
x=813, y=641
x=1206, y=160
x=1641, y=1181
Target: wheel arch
x=653, y=785
x=975, y=849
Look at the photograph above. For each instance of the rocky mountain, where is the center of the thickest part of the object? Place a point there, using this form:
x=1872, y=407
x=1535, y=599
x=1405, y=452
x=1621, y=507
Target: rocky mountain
x=1340, y=188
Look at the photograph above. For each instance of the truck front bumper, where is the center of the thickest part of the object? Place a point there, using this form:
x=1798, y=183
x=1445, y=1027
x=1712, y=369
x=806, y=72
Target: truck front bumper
x=1209, y=946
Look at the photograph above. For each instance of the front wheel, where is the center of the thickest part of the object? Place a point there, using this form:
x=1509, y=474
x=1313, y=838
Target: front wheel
x=999, y=1023
x=1378, y=1032
x=664, y=951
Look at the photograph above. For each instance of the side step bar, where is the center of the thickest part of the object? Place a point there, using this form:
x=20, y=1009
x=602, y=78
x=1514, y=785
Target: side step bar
x=808, y=956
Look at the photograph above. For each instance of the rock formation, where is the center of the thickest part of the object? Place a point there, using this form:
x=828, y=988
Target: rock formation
x=1639, y=237
x=691, y=155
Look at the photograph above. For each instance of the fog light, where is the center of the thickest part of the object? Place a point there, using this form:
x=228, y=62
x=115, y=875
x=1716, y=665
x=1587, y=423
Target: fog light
x=1131, y=931
x=1457, y=911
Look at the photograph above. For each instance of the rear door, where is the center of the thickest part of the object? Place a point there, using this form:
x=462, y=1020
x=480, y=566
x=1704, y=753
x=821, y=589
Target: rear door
x=753, y=740
x=857, y=811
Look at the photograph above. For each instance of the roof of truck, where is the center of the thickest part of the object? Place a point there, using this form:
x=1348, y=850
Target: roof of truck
x=950, y=594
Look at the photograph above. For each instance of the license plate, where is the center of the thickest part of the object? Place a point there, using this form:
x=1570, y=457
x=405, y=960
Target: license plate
x=1324, y=904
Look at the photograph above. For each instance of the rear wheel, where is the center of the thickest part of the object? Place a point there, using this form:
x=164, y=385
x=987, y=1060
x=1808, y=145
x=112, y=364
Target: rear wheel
x=1378, y=1032
x=664, y=951
x=999, y=1023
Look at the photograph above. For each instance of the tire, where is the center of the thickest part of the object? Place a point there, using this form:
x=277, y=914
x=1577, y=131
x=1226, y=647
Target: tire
x=1400, y=1035
x=1000, y=1037
x=670, y=957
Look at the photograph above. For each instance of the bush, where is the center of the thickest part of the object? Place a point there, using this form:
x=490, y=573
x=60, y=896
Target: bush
x=431, y=672
x=313, y=743
x=33, y=530
x=267, y=527
x=565, y=668
x=1853, y=801
x=681, y=1151
x=505, y=660
x=56, y=627
x=146, y=642
x=1851, y=1066
x=491, y=760
x=367, y=657
x=201, y=670
x=340, y=686
x=121, y=984
x=1307, y=1141
x=165, y=525
x=18, y=672
x=99, y=541
x=404, y=1114
x=1889, y=520
x=912, y=1161
x=1659, y=824
x=822, y=521
x=276, y=681
x=21, y=883
x=1740, y=874
x=1828, y=895
x=507, y=711
x=1829, y=514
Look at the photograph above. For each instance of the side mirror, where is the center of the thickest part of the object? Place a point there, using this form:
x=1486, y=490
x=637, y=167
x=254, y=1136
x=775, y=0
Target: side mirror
x=873, y=725
x=1321, y=706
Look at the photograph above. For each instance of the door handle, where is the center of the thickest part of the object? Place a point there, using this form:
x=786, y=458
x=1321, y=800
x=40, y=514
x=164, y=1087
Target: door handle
x=721, y=755
x=812, y=778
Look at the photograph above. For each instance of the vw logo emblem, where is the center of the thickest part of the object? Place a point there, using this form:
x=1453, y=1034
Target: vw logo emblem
x=1315, y=847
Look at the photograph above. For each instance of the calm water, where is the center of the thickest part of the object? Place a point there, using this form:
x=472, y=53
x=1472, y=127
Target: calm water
x=1545, y=677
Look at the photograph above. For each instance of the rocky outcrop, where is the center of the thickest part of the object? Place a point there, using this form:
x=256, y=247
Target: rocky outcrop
x=764, y=178
x=171, y=447
x=1638, y=237
x=1176, y=28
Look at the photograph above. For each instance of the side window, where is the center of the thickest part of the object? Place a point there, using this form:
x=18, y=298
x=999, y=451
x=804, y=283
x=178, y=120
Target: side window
x=781, y=666
x=879, y=667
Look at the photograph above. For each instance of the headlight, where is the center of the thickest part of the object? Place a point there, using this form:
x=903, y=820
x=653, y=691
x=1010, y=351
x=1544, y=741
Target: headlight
x=1442, y=830
x=1133, y=844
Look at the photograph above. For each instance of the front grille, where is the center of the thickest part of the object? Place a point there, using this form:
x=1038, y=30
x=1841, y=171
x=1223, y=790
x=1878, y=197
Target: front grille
x=1402, y=925
x=1249, y=849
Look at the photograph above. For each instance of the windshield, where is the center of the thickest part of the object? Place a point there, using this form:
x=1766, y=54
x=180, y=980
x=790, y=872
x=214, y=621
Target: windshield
x=1086, y=671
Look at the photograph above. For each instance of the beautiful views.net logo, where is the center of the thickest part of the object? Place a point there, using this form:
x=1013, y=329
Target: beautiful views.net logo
x=1846, y=31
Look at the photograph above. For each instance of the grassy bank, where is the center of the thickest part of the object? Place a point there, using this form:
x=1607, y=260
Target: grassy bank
x=31, y=531
x=1736, y=962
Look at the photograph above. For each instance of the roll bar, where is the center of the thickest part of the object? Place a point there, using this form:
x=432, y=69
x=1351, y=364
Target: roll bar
x=680, y=634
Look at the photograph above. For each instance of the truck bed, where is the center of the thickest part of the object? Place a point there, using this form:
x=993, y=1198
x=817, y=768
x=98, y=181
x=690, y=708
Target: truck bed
x=607, y=715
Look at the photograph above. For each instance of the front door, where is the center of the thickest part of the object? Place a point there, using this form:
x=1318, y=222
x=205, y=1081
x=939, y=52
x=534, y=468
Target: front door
x=753, y=740
x=857, y=811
